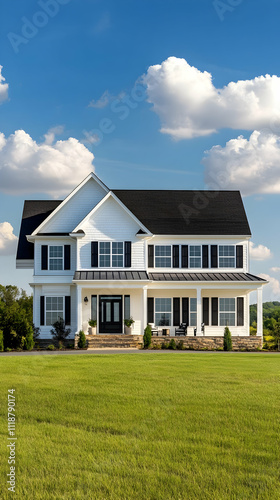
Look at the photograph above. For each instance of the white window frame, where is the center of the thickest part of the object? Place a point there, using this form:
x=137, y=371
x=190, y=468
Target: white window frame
x=163, y=257
x=194, y=312
x=164, y=312
x=227, y=311
x=195, y=257
x=229, y=257
x=63, y=307
x=55, y=258
x=111, y=254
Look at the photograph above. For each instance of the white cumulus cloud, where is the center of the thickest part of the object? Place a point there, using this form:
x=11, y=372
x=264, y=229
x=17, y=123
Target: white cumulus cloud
x=259, y=252
x=251, y=166
x=272, y=290
x=275, y=269
x=8, y=240
x=3, y=87
x=50, y=167
x=189, y=105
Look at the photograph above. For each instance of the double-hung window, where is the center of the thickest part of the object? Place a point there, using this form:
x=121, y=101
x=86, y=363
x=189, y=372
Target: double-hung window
x=193, y=311
x=227, y=312
x=195, y=256
x=163, y=312
x=54, y=309
x=111, y=254
x=226, y=256
x=55, y=258
x=163, y=256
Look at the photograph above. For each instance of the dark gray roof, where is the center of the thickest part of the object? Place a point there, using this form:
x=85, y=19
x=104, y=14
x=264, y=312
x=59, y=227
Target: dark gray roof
x=162, y=212
x=110, y=275
x=34, y=213
x=204, y=277
x=188, y=212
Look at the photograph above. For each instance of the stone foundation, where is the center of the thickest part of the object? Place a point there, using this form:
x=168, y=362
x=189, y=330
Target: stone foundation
x=212, y=343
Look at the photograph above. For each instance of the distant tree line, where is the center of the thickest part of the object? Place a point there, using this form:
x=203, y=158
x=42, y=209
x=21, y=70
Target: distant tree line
x=16, y=319
x=271, y=323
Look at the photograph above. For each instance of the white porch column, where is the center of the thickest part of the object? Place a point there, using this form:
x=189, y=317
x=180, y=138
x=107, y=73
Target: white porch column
x=260, y=313
x=144, y=308
x=199, y=311
x=79, y=308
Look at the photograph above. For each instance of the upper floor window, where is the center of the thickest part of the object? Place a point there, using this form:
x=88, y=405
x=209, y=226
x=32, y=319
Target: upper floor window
x=111, y=254
x=195, y=256
x=226, y=256
x=55, y=258
x=163, y=256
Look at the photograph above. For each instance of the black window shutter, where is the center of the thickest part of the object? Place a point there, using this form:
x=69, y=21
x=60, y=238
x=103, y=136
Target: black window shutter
x=151, y=310
x=214, y=255
x=175, y=251
x=214, y=304
x=151, y=257
x=205, y=306
x=176, y=311
x=239, y=256
x=127, y=254
x=185, y=310
x=44, y=257
x=240, y=311
x=185, y=257
x=67, y=251
x=42, y=310
x=67, y=310
x=94, y=254
x=205, y=257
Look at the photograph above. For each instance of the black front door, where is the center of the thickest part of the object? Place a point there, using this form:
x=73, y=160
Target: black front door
x=110, y=314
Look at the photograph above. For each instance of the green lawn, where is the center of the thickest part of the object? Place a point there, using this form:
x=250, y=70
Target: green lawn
x=143, y=426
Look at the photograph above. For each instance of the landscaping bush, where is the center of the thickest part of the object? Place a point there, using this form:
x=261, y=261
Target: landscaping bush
x=147, y=337
x=82, y=343
x=28, y=339
x=165, y=345
x=51, y=347
x=227, y=340
x=180, y=345
x=1, y=341
x=172, y=344
x=59, y=331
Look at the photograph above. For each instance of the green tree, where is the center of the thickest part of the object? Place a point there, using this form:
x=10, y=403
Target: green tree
x=82, y=343
x=227, y=340
x=147, y=337
x=59, y=331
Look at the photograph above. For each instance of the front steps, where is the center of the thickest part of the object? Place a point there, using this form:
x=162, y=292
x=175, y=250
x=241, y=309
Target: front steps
x=114, y=341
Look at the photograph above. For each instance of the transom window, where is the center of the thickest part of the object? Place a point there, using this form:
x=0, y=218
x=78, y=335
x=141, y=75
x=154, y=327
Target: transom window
x=55, y=258
x=226, y=256
x=195, y=256
x=163, y=256
x=162, y=312
x=193, y=311
x=227, y=312
x=54, y=309
x=111, y=254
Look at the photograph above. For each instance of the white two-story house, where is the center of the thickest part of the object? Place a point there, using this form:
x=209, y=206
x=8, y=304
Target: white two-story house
x=161, y=257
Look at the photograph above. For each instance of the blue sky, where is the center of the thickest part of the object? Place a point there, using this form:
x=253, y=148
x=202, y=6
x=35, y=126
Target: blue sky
x=60, y=57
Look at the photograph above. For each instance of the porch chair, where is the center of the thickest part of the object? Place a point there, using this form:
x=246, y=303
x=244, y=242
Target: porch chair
x=155, y=330
x=181, y=330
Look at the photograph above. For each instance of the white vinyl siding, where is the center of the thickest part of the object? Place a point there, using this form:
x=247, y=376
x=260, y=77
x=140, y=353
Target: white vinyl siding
x=227, y=256
x=163, y=256
x=227, y=312
x=163, y=312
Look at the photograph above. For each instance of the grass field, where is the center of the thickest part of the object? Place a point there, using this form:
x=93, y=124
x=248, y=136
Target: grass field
x=143, y=426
